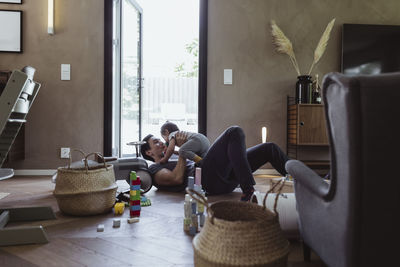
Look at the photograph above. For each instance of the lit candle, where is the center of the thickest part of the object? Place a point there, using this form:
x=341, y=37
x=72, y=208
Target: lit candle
x=264, y=134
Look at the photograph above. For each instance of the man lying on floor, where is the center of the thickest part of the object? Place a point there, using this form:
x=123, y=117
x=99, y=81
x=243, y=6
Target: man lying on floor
x=226, y=165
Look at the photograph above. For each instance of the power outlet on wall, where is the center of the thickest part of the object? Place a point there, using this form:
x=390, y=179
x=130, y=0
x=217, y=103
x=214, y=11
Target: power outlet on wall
x=65, y=153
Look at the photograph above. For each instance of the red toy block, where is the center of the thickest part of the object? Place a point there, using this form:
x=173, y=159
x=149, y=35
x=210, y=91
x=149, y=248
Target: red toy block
x=134, y=202
x=135, y=182
x=135, y=213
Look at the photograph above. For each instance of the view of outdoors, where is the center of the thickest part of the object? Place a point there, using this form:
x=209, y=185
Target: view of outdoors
x=170, y=31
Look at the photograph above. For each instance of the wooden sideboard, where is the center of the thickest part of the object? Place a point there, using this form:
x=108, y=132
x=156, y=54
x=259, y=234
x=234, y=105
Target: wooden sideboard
x=306, y=127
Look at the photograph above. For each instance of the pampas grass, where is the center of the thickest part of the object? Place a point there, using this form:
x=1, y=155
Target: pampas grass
x=283, y=44
x=323, y=42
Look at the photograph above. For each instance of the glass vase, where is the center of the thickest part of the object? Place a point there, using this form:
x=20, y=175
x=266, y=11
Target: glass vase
x=304, y=89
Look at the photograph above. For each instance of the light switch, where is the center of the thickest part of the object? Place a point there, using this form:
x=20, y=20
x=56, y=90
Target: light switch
x=227, y=76
x=65, y=72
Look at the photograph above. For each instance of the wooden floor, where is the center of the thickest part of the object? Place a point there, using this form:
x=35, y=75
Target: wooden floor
x=157, y=239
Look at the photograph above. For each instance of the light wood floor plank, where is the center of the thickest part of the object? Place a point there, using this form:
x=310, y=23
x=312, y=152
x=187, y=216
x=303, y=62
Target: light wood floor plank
x=41, y=255
x=131, y=255
x=7, y=259
x=151, y=248
x=78, y=253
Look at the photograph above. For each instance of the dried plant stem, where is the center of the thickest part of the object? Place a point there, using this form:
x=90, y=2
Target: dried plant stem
x=296, y=66
x=323, y=42
x=283, y=44
x=312, y=66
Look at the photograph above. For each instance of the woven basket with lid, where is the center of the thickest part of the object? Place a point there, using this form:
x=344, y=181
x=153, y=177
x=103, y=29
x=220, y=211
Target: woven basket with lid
x=240, y=234
x=85, y=191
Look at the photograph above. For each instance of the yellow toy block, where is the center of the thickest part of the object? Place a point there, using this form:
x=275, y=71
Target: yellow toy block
x=119, y=208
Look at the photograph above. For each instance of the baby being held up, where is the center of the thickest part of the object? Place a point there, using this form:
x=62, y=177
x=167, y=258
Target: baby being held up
x=195, y=148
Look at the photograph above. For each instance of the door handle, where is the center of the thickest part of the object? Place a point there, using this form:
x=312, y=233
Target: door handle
x=302, y=123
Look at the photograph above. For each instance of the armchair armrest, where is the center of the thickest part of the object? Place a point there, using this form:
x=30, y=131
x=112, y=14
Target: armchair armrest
x=307, y=178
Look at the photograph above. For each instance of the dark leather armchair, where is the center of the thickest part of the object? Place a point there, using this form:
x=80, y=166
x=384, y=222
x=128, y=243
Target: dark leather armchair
x=354, y=220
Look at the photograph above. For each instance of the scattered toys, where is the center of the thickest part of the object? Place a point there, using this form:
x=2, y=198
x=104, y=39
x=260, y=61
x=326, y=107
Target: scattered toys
x=119, y=208
x=117, y=223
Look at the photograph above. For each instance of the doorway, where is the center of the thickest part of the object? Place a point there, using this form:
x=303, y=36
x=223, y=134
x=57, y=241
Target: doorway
x=126, y=75
x=157, y=66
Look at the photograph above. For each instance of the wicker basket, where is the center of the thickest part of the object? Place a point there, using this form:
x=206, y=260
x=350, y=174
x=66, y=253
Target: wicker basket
x=239, y=234
x=87, y=190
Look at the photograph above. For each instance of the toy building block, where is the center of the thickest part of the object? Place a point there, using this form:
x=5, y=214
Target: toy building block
x=144, y=201
x=191, y=182
x=134, y=195
x=135, y=213
x=195, y=221
x=200, y=208
x=202, y=220
x=134, y=203
x=116, y=223
x=194, y=207
x=100, y=228
x=197, y=176
x=197, y=187
x=186, y=224
x=135, y=208
x=119, y=208
x=133, y=220
x=136, y=182
x=192, y=230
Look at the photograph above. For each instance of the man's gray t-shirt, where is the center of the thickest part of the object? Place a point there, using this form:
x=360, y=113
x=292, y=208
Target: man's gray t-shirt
x=170, y=165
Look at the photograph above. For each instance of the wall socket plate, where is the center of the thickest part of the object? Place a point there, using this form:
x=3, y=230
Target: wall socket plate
x=65, y=152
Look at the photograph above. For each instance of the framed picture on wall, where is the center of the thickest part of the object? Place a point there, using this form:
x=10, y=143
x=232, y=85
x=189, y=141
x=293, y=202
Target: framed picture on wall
x=11, y=1
x=11, y=31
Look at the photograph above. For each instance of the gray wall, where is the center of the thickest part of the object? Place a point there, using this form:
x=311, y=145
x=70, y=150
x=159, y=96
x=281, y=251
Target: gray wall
x=65, y=113
x=70, y=113
x=239, y=39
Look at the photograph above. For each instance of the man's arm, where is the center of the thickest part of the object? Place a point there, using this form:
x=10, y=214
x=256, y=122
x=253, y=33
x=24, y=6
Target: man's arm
x=169, y=152
x=175, y=177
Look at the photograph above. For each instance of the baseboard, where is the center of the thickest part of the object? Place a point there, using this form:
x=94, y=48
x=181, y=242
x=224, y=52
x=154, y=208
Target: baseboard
x=266, y=171
x=34, y=172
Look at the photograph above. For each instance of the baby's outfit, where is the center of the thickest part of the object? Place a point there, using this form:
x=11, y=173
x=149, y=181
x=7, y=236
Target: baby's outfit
x=196, y=144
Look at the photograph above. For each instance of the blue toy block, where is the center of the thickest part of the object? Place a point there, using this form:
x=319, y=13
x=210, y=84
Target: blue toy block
x=135, y=187
x=134, y=208
x=192, y=230
x=194, y=207
x=191, y=182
